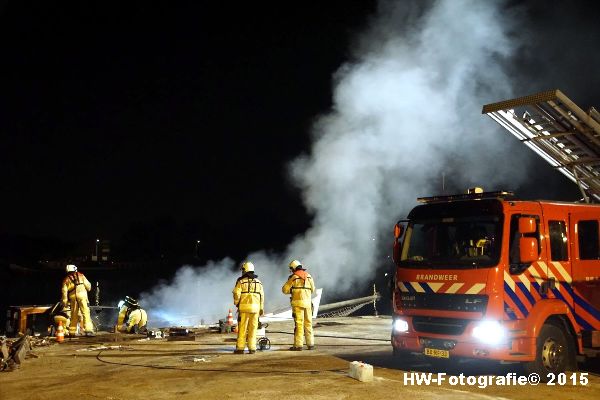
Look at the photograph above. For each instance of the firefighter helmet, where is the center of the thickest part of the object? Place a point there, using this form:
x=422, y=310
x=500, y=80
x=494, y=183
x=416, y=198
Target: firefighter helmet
x=71, y=268
x=295, y=264
x=130, y=302
x=247, y=266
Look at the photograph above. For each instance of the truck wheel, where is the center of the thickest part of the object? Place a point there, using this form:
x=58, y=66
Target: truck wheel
x=552, y=353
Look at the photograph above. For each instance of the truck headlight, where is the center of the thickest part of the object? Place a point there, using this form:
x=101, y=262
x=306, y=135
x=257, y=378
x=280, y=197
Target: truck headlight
x=489, y=332
x=400, y=325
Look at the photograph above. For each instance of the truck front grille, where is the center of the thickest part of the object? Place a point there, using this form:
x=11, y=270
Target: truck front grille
x=442, y=301
x=444, y=326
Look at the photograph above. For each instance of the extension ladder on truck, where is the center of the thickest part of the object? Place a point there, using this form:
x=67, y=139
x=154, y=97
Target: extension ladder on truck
x=559, y=131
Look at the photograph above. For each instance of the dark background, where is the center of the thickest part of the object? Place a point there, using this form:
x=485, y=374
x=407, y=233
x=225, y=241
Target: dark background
x=154, y=127
x=122, y=118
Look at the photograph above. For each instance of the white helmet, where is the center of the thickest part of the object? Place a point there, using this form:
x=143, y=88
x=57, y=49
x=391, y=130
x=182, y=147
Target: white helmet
x=247, y=266
x=71, y=268
x=295, y=264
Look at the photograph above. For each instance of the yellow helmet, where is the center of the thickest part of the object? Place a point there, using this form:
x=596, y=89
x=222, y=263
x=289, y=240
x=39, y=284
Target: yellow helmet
x=295, y=264
x=247, y=266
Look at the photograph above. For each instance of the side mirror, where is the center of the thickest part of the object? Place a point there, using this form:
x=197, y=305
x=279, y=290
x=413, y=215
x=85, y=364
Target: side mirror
x=398, y=230
x=528, y=249
x=527, y=225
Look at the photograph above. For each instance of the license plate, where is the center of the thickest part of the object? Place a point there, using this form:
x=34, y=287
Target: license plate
x=436, y=353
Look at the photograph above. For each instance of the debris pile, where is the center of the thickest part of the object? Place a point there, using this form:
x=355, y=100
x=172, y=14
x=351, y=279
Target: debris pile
x=14, y=351
x=180, y=334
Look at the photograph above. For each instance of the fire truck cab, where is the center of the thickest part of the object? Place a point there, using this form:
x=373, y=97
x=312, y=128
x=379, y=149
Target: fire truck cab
x=490, y=277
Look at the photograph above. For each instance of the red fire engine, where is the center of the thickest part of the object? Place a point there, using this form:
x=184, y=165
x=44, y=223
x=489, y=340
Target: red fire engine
x=484, y=275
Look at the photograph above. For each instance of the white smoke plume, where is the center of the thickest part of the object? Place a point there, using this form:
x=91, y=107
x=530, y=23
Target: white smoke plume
x=407, y=109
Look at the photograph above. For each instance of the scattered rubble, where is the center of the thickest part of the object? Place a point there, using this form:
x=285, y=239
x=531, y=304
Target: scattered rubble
x=98, y=348
x=14, y=351
x=198, y=358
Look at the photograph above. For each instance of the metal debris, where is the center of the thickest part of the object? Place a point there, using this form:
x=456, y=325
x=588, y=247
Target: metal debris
x=14, y=352
x=98, y=348
x=197, y=358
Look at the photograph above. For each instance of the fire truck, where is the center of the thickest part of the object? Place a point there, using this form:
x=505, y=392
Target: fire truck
x=484, y=275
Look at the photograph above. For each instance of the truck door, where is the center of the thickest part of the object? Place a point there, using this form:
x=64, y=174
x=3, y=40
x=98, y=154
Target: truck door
x=523, y=282
x=558, y=260
x=585, y=260
x=585, y=247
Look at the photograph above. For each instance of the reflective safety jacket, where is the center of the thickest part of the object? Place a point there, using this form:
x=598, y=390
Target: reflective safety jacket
x=75, y=284
x=124, y=314
x=131, y=316
x=301, y=287
x=248, y=294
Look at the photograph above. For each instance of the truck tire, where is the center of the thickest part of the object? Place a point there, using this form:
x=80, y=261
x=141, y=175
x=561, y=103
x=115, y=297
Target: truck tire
x=552, y=353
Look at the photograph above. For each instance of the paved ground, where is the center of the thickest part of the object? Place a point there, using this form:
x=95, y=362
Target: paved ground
x=207, y=369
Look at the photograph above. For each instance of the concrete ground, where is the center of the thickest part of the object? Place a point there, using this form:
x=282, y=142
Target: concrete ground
x=207, y=369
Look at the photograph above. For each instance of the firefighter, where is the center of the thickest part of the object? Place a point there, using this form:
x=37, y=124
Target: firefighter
x=300, y=286
x=74, y=292
x=249, y=298
x=132, y=318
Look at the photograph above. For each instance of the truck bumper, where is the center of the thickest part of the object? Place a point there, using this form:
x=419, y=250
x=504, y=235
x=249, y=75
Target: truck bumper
x=513, y=349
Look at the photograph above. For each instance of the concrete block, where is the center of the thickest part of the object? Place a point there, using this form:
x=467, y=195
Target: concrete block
x=361, y=371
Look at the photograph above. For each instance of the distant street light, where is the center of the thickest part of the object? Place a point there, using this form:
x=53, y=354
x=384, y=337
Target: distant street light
x=97, y=244
x=197, y=254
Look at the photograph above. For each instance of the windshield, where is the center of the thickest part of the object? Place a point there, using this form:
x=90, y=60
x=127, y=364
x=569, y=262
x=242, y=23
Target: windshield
x=452, y=235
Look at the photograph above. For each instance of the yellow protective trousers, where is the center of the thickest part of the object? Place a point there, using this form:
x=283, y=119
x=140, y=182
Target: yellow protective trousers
x=303, y=326
x=79, y=304
x=137, y=320
x=247, y=326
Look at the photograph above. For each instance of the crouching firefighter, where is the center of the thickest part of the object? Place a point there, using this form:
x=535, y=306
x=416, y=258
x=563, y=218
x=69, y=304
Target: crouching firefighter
x=249, y=298
x=74, y=292
x=300, y=286
x=61, y=314
x=132, y=318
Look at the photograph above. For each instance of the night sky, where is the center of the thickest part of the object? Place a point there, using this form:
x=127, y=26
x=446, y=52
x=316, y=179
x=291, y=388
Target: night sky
x=128, y=113
x=116, y=116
